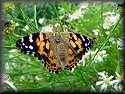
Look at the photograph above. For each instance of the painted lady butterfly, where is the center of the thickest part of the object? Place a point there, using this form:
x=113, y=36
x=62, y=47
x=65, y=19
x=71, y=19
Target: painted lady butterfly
x=56, y=50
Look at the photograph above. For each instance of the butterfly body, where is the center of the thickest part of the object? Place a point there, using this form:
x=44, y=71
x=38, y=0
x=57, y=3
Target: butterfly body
x=56, y=50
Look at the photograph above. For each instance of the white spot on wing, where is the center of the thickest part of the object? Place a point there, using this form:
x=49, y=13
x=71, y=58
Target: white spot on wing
x=23, y=44
x=89, y=40
x=42, y=60
x=31, y=47
x=27, y=52
x=30, y=38
x=82, y=38
x=22, y=40
x=85, y=44
x=26, y=46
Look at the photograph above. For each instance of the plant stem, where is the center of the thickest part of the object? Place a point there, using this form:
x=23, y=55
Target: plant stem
x=35, y=16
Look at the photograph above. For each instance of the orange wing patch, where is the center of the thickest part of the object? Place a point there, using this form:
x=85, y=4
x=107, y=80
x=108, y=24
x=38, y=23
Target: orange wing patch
x=51, y=54
x=72, y=43
x=47, y=45
x=70, y=51
x=43, y=46
x=72, y=61
x=53, y=66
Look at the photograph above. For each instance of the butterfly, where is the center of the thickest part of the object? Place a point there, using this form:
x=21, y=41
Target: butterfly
x=57, y=50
